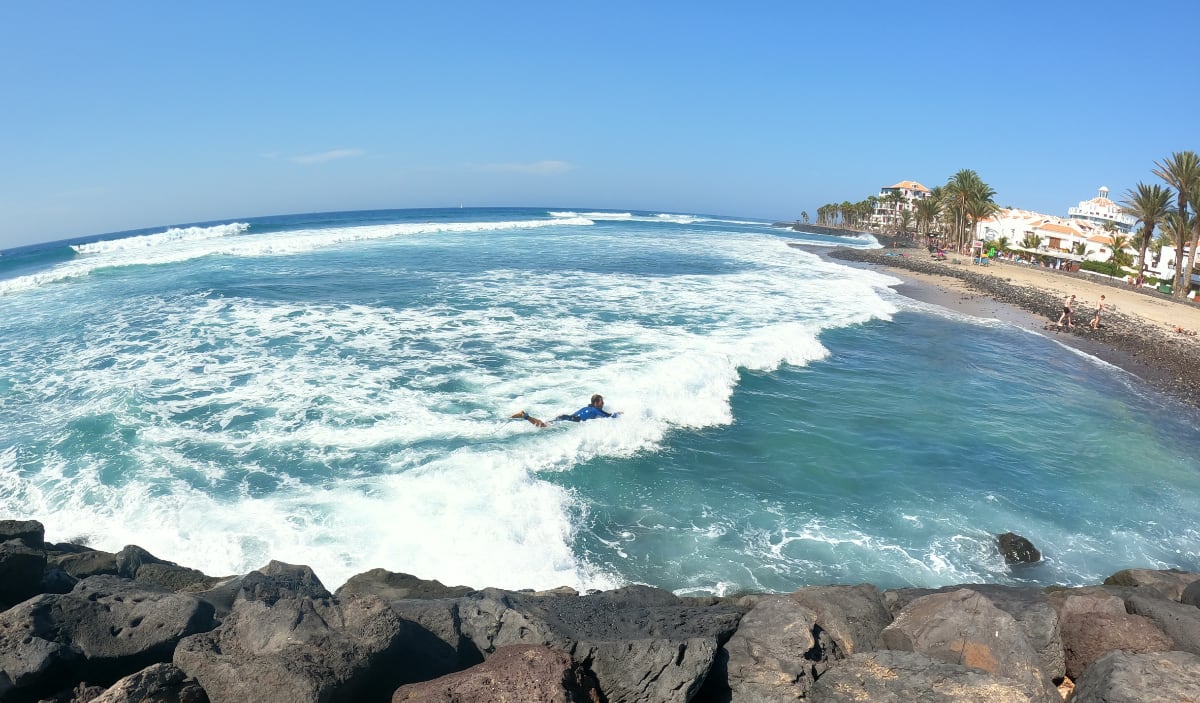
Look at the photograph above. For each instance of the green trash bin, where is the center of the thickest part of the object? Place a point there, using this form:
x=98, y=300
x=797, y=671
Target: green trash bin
x=1164, y=288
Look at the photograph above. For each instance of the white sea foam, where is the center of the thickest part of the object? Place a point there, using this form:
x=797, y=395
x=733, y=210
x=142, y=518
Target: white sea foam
x=176, y=245
x=483, y=524
x=659, y=217
x=848, y=242
x=353, y=436
x=161, y=239
x=677, y=219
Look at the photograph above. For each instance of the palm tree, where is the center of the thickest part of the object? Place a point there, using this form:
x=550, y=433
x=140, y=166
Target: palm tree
x=968, y=200
x=954, y=205
x=1150, y=205
x=938, y=195
x=1181, y=172
x=1170, y=227
x=1119, y=243
x=893, y=203
x=864, y=210
x=928, y=210
x=1079, y=248
x=905, y=221
x=1177, y=229
x=1195, y=202
x=1031, y=241
x=981, y=207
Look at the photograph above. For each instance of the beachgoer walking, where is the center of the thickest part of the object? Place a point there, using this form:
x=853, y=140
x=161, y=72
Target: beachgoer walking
x=1095, y=323
x=1066, y=313
x=593, y=410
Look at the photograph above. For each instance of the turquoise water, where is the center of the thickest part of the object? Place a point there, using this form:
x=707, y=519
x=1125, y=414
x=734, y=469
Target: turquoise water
x=334, y=390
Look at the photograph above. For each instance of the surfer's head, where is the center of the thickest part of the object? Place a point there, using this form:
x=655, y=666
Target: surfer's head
x=597, y=401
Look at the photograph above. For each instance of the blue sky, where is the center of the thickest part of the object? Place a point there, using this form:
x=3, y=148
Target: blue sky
x=126, y=115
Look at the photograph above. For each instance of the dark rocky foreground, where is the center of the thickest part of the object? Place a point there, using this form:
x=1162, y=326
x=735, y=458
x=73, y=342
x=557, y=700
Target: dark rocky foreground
x=1164, y=359
x=85, y=625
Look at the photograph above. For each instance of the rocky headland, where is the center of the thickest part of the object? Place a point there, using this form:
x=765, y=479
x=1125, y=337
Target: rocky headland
x=80, y=624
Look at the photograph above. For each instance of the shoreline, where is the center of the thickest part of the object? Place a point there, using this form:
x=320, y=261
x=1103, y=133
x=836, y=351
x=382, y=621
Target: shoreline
x=1137, y=331
x=81, y=625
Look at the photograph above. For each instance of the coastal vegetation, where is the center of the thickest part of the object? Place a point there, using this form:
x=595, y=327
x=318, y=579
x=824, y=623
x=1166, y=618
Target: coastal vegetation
x=1150, y=205
x=952, y=210
x=1169, y=214
x=1179, y=225
x=967, y=201
x=1181, y=172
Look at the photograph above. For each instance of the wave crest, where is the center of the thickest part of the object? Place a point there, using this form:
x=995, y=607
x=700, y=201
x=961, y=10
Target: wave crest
x=174, y=234
x=177, y=245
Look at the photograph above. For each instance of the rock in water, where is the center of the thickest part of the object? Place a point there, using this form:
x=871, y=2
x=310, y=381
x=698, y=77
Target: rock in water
x=1017, y=550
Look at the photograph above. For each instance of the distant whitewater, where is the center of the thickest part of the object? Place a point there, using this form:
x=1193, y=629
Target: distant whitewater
x=333, y=389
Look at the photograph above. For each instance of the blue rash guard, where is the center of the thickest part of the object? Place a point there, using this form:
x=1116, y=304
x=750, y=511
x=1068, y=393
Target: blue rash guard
x=589, y=413
x=585, y=413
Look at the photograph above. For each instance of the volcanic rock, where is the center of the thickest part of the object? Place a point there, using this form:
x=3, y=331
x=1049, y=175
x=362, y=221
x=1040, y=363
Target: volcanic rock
x=1017, y=550
x=514, y=673
x=1090, y=636
x=391, y=586
x=909, y=677
x=105, y=628
x=854, y=616
x=30, y=532
x=963, y=627
x=1121, y=677
x=776, y=653
x=21, y=568
x=643, y=644
x=1170, y=583
x=157, y=683
x=286, y=639
x=1191, y=594
x=1180, y=622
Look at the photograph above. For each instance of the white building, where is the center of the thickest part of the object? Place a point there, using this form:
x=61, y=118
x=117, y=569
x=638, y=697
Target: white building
x=1164, y=266
x=1101, y=211
x=887, y=211
x=1051, y=235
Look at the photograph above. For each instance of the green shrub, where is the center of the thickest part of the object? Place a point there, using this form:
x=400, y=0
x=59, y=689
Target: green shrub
x=1108, y=268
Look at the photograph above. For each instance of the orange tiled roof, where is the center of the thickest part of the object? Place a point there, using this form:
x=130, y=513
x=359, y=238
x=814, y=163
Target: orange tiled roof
x=1051, y=227
x=910, y=185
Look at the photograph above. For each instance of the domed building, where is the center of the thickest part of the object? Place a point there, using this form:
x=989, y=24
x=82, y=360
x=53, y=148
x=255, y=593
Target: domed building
x=1101, y=211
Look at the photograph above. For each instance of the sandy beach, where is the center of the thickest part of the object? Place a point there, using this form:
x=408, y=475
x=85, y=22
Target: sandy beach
x=1156, y=309
x=1142, y=331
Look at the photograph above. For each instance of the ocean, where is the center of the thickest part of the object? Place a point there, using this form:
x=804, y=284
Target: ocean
x=334, y=390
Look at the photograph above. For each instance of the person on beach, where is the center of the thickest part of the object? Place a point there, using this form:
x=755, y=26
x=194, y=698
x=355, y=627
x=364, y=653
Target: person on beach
x=1095, y=323
x=591, y=411
x=1066, y=313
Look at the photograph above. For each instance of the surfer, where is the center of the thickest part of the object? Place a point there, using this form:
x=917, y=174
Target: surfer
x=591, y=411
